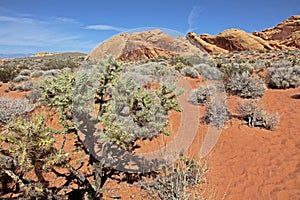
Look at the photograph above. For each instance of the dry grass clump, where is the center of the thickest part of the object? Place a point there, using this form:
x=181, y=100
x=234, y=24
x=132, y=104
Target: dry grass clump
x=254, y=115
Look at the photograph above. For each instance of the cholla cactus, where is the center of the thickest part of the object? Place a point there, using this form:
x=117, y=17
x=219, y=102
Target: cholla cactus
x=58, y=92
x=136, y=113
x=133, y=111
x=106, y=80
x=31, y=144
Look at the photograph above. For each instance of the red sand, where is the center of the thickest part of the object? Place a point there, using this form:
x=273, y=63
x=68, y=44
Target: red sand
x=246, y=163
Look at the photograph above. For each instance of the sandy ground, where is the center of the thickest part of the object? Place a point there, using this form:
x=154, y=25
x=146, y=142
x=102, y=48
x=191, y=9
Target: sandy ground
x=246, y=163
x=252, y=163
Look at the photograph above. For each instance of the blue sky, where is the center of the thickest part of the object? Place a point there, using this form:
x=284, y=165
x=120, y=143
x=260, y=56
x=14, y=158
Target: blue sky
x=29, y=26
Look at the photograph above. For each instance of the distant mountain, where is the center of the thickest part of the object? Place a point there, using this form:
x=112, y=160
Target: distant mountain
x=285, y=35
x=15, y=55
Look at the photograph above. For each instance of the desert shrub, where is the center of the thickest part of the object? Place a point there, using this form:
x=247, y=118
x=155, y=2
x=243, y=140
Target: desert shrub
x=8, y=73
x=50, y=73
x=208, y=72
x=180, y=61
x=189, y=72
x=152, y=71
x=201, y=95
x=216, y=112
x=60, y=64
x=281, y=64
x=255, y=116
x=58, y=93
x=19, y=79
x=11, y=87
x=37, y=74
x=10, y=107
x=245, y=86
x=35, y=94
x=283, y=78
x=177, y=181
x=31, y=149
x=27, y=86
x=25, y=72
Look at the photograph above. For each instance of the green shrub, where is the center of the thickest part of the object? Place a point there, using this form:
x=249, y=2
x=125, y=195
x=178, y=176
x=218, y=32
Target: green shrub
x=137, y=113
x=8, y=73
x=128, y=110
x=58, y=93
x=31, y=149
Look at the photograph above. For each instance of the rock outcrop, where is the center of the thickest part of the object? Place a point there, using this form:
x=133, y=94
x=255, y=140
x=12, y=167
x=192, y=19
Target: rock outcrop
x=285, y=35
x=200, y=43
x=155, y=43
x=144, y=45
x=42, y=54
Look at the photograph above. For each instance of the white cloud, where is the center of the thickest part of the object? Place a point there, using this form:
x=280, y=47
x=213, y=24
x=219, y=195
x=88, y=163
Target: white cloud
x=194, y=14
x=31, y=33
x=19, y=20
x=102, y=27
x=65, y=20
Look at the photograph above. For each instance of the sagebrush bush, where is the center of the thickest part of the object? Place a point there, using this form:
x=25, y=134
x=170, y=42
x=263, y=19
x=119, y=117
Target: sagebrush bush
x=176, y=182
x=8, y=73
x=51, y=72
x=27, y=86
x=10, y=107
x=245, y=86
x=37, y=74
x=255, y=116
x=284, y=77
x=189, y=72
x=201, y=95
x=281, y=64
x=60, y=64
x=208, y=72
x=25, y=72
x=232, y=69
x=20, y=78
x=216, y=112
x=35, y=94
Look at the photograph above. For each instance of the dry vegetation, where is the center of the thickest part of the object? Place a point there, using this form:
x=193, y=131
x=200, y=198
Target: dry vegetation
x=129, y=110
